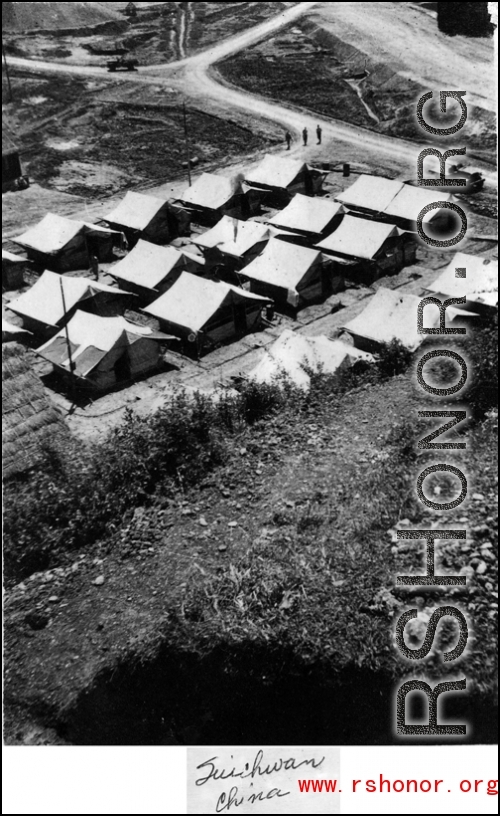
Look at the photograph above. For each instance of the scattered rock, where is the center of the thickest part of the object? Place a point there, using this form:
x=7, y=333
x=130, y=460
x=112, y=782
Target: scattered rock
x=99, y=580
x=203, y=521
x=232, y=524
x=53, y=599
x=477, y=497
x=222, y=548
x=481, y=568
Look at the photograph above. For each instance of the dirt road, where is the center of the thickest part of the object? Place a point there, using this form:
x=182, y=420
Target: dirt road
x=195, y=76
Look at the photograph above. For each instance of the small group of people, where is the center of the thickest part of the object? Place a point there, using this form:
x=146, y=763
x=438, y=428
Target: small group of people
x=305, y=136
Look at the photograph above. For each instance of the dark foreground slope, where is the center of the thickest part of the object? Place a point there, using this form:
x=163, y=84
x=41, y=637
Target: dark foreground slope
x=227, y=573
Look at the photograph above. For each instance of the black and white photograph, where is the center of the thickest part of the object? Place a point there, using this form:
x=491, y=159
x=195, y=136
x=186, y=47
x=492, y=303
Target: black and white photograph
x=249, y=365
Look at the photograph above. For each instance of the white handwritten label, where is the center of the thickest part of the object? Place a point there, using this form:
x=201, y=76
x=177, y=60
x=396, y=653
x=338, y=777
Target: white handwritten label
x=237, y=780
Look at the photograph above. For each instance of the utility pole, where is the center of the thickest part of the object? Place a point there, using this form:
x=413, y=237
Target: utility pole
x=186, y=141
x=11, y=96
x=68, y=344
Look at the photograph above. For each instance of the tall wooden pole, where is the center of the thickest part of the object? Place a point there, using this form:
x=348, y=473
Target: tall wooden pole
x=68, y=344
x=11, y=96
x=186, y=141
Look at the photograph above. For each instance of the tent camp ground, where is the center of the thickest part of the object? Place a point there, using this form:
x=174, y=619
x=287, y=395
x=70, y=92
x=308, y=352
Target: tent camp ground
x=204, y=313
x=212, y=196
x=278, y=178
x=479, y=285
x=148, y=217
x=391, y=315
x=311, y=218
x=149, y=270
x=100, y=353
x=61, y=244
x=293, y=276
x=367, y=249
x=232, y=243
x=295, y=356
x=43, y=310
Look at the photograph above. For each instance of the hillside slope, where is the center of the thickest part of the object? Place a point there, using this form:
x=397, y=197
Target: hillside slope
x=57, y=16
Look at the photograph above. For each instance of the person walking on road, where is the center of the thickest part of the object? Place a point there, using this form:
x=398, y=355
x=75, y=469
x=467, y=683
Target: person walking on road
x=304, y=136
x=288, y=139
x=318, y=133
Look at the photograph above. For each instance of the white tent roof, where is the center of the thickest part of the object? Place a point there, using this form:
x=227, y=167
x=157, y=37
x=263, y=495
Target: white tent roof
x=43, y=302
x=191, y=301
x=91, y=337
x=135, y=211
x=148, y=264
x=307, y=214
x=479, y=285
x=275, y=171
x=53, y=232
x=358, y=237
x=392, y=315
x=371, y=192
x=292, y=352
x=282, y=264
x=411, y=200
x=211, y=191
x=233, y=236
x=11, y=257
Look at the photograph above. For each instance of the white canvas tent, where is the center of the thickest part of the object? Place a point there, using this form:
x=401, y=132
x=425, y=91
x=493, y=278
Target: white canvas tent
x=104, y=350
x=408, y=203
x=148, y=270
x=205, y=312
x=42, y=307
x=239, y=240
x=370, y=194
x=480, y=286
x=394, y=201
x=143, y=216
x=289, y=274
x=358, y=238
x=62, y=244
x=211, y=196
x=392, y=315
x=293, y=355
x=283, y=177
x=312, y=217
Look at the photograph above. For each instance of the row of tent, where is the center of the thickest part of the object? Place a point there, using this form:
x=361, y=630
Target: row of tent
x=63, y=244
x=106, y=349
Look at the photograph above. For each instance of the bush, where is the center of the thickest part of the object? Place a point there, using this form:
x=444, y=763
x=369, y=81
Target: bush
x=394, y=359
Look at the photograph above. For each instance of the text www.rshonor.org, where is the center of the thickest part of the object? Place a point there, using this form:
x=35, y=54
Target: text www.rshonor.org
x=383, y=785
